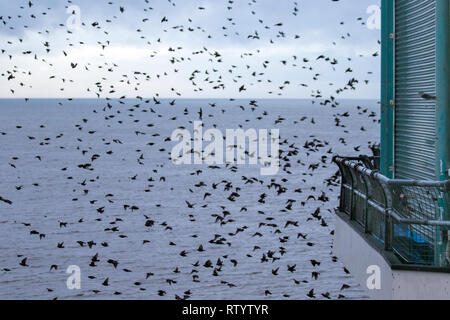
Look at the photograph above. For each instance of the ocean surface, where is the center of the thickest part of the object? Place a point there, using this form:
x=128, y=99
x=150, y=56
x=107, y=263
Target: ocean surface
x=99, y=172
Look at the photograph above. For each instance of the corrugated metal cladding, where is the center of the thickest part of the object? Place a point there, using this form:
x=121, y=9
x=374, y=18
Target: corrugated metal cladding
x=415, y=72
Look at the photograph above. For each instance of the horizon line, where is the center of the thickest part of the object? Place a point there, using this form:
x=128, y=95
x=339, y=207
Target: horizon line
x=175, y=98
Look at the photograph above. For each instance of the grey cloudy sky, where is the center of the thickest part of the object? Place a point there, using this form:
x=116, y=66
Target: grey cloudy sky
x=132, y=53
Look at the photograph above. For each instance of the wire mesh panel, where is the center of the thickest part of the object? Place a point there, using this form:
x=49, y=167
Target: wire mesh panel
x=415, y=202
x=415, y=244
x=420, y=243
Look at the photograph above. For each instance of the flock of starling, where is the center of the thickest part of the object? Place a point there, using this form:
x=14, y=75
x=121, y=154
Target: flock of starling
x=103, y=194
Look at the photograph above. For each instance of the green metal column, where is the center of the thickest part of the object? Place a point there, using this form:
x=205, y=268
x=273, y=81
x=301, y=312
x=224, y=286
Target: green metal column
x=443, y=88
x=387, y=88
x=442, y=118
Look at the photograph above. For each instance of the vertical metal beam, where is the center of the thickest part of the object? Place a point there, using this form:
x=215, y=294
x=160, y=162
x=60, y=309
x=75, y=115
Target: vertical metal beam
x=388, y=230
x=368, y=194
x=442, y=117
x=389, y=226
x=387, y=87
x=443, y=88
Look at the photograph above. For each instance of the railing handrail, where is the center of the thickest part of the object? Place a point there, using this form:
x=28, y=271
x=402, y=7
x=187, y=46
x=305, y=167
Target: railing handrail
x=419, y=183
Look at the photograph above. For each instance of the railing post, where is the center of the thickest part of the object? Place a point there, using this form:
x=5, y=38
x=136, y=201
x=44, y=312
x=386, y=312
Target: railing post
x=441, y=232
x=388, y=222
x=352, y=193
x=342, y=196
x=368, y=192
x=338, y=161
x=389, y=231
